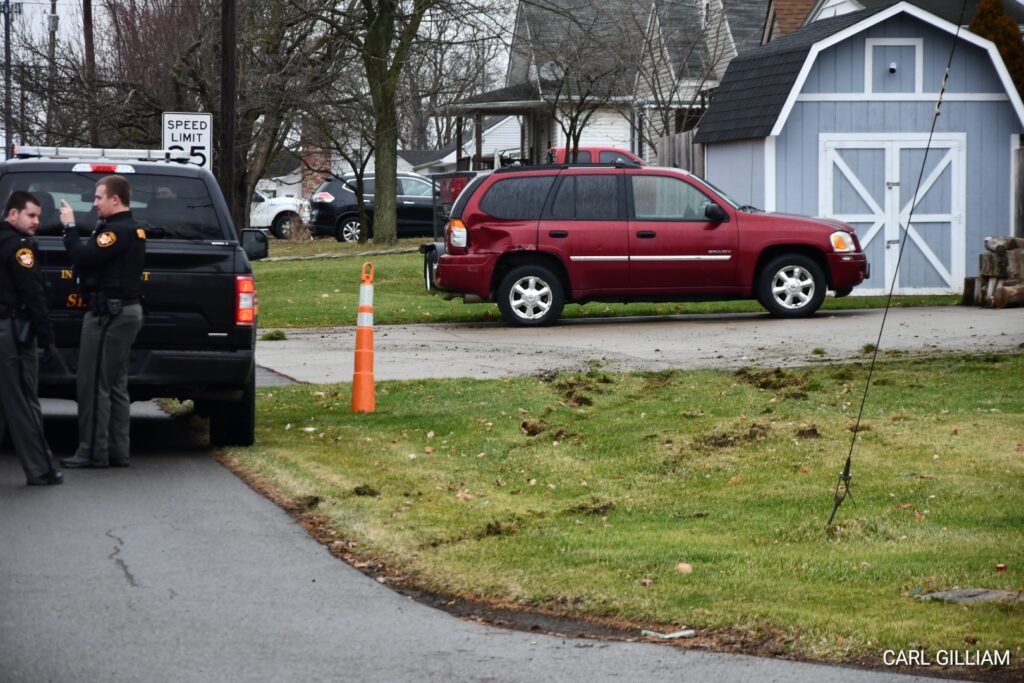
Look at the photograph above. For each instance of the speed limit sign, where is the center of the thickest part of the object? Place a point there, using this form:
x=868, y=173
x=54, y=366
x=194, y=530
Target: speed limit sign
x=190, y=133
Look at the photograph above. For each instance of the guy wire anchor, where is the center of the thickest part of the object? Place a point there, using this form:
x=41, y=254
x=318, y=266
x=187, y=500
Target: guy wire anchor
x=842, y=489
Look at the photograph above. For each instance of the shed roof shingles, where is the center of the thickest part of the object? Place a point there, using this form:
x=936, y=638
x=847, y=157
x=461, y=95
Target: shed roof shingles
x=756, y=85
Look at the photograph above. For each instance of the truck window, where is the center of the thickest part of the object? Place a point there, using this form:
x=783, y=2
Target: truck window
x=170, y=207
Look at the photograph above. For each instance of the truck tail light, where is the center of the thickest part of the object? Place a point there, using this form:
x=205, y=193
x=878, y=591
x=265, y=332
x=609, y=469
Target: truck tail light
x=458, y=236
x=246, y=305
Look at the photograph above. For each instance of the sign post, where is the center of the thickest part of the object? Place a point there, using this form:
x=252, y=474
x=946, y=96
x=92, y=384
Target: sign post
x=191, y=133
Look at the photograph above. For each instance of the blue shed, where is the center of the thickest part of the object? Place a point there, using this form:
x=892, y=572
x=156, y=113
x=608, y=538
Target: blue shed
x=834, y=120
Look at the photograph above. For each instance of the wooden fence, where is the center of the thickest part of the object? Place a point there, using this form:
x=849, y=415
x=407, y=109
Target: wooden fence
x=680, y=151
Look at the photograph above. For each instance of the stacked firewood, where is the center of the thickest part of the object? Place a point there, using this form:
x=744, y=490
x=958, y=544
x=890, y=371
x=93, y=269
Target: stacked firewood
x=1000, y=281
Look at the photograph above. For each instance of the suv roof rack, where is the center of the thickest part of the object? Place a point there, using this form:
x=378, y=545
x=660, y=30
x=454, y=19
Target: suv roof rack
x=36, y=152
x=618, y=163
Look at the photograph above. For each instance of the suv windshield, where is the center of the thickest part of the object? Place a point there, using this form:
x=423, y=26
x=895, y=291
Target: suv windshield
x=167, y=206
x=727, y=198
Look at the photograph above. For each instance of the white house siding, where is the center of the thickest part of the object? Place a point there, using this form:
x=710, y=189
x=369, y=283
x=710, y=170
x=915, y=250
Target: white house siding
x=737, y=168
x=987, y=124
x=503, y=135
x=607, y=126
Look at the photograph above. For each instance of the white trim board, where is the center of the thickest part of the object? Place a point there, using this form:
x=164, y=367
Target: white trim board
x=869, y=58
x=1014, y=146
x=903, y=97
x=770, y=186
x=879, y=17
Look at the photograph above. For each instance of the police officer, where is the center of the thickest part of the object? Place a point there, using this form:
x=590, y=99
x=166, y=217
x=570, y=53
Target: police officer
x=24, y=327
x=109, y=267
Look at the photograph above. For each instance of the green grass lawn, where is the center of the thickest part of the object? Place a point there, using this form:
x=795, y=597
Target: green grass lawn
x=325, y=292
x=584, y=494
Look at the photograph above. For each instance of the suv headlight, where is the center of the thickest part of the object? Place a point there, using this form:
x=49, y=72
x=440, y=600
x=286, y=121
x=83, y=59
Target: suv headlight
x=457, y=233
x=843, y=242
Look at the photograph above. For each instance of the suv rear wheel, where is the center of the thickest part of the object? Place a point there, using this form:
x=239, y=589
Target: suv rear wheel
x=791, y=286
x=530, y=296
x=348, y=229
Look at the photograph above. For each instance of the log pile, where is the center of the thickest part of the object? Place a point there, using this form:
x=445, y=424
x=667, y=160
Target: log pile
x=1000, y=280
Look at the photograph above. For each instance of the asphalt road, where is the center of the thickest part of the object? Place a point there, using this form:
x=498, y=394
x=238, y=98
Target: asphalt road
x=175, y=570
x=489, y=350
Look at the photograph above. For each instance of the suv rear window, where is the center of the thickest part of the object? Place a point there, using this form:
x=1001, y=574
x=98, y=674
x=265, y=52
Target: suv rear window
x=368, y=184
x=173, y=206
x=517, y=198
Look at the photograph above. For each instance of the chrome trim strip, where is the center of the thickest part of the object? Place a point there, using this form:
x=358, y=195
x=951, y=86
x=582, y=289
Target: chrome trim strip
x=680, y=258
x=598, y=258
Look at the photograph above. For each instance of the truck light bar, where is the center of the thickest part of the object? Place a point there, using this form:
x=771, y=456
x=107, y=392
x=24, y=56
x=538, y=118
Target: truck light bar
x=36, y=152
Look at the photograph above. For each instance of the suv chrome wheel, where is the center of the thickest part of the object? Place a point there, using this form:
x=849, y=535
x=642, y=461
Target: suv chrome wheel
x=791, y=286
x=530, y=295
x=349, y=229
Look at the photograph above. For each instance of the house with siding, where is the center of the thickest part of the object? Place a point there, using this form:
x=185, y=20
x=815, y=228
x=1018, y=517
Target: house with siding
x=836, y=119
x=632, y=64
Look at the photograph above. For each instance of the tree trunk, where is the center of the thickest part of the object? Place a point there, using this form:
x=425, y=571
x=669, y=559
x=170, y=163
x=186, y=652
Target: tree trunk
x=90, y=73
x=382, y=94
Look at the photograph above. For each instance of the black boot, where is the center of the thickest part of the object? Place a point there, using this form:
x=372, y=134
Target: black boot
x=51, y=478
x=80, y=462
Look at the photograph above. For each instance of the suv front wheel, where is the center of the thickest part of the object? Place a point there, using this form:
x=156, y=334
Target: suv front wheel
x=791, y=286
x=530, y=296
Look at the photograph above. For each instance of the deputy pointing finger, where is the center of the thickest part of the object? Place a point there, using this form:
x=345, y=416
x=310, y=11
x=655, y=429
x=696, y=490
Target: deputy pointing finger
x=67, y=214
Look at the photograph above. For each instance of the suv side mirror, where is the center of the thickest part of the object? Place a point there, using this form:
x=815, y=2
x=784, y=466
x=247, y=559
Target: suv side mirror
x=255, y=244
x=715, y=213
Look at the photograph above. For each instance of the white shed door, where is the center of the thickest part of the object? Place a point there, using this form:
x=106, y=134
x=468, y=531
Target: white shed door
x=872, y=184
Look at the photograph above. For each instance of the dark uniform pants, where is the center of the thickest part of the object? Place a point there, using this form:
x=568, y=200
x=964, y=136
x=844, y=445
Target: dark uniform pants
x=19, y=402
x=102, y=384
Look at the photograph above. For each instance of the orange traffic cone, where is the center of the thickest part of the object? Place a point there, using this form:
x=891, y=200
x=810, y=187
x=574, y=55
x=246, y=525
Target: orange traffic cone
x=363, y=398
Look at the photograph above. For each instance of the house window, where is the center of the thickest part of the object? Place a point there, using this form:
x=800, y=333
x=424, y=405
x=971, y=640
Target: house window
x=705, y=13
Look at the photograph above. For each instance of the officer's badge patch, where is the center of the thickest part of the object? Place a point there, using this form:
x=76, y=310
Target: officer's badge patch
x=141, y=233
x=106, y=239
x=25, y=257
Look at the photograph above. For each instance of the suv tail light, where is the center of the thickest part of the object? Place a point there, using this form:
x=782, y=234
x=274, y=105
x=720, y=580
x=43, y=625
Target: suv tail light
x=245, y=300
x=457, y=233
x=323, y=197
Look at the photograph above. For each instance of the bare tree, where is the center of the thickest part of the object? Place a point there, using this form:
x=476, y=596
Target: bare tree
x=586, y=58
x=381, y=34
x=684, y=51
x=339, y=118
x=451, y=58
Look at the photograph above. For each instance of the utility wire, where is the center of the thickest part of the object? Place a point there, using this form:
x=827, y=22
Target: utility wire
x=843, y=485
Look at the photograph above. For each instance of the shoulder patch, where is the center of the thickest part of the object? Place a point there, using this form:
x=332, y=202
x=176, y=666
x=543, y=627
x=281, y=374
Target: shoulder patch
x=141, y=233
x=106, y=239
x=25, y=258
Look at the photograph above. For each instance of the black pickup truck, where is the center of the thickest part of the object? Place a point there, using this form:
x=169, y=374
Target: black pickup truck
x=199, y=298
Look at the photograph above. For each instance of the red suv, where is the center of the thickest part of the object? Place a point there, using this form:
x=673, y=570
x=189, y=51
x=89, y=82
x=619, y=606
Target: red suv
x=534, y=238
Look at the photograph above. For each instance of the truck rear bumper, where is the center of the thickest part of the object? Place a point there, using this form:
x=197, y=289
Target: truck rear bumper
x=169, y=373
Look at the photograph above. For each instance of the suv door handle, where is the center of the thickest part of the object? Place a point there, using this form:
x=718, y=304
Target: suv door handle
x=645, y=234
x=405, y=202
x=558, y=233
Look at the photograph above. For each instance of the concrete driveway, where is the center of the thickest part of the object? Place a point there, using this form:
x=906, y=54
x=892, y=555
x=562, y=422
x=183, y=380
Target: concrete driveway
x=489, y=350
